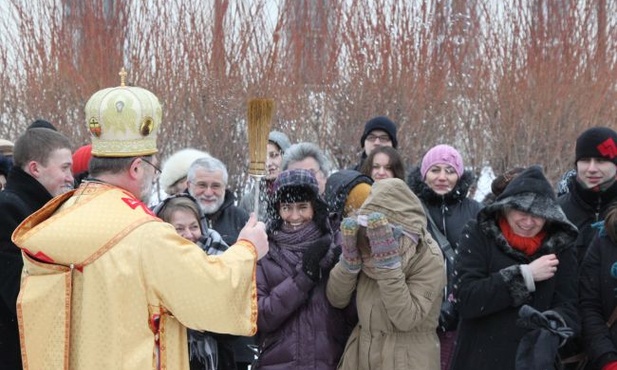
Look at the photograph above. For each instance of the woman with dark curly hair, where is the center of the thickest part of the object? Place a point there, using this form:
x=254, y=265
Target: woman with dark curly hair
x=297, y=326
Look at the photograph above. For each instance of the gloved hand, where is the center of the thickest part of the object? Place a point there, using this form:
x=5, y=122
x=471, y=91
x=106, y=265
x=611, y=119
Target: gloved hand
x=313, y=255
x=350, y=255
x=384, y=247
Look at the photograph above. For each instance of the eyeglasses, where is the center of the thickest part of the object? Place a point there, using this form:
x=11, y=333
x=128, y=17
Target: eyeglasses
x=382, y=138
x=157, y=170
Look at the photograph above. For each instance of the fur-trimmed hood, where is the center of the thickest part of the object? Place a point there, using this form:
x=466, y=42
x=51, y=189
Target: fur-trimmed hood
x=423, y=191
x=530, y=192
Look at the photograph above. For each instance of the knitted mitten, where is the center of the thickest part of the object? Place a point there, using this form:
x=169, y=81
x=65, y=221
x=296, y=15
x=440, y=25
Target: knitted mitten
x=384, y=247
x=350, y=256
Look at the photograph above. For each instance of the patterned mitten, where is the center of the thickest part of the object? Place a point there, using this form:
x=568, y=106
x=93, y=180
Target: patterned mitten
x=350, y=256
x=384, y=247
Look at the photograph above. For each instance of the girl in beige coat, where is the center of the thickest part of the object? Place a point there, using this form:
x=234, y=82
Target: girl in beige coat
x=396, y=272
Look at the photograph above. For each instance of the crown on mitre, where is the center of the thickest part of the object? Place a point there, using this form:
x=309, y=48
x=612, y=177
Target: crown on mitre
x=123, y=121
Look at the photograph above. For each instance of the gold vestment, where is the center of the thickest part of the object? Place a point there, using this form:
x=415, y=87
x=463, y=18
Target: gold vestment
x=107, y=285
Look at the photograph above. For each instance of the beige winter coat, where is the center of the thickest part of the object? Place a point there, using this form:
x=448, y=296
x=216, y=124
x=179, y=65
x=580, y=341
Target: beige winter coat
x=398, y=308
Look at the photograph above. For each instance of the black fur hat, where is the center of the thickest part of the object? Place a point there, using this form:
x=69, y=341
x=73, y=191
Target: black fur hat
x=530, y=192
x=297, y=186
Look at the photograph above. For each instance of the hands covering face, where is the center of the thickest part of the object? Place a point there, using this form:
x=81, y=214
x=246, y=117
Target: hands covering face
x=382, y=250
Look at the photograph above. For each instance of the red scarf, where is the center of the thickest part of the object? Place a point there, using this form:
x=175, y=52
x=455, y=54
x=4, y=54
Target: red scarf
x=529, y=246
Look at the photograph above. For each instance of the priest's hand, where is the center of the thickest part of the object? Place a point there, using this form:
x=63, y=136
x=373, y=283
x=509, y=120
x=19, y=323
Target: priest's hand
x=255, y=232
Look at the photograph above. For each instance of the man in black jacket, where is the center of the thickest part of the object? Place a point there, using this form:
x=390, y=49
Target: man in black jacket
x=590, y=193
x=41, y=170
x=594, y=187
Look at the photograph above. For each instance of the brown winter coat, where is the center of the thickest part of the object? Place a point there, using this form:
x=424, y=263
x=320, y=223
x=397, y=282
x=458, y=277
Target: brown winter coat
x=398, y=308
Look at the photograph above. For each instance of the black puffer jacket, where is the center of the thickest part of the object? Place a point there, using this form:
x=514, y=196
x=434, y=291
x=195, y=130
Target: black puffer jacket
x=450, y=211
x=22, y=196
x=228, y=220
x=583, y=208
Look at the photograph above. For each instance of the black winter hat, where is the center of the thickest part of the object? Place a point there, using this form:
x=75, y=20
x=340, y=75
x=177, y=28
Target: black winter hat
x=299, y=183
x=531, y=180
x=380, y=123
x=597, y=142
x=530, y=192
x=41, y=123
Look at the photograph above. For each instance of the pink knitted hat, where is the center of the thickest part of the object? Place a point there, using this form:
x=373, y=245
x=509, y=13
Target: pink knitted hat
x=442, y=154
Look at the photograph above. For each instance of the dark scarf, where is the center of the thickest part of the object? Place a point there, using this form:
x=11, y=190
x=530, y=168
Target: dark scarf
x=291, y=244
x=593, y=201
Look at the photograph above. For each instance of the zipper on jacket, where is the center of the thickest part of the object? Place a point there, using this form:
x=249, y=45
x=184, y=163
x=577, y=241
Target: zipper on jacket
x=444, y=208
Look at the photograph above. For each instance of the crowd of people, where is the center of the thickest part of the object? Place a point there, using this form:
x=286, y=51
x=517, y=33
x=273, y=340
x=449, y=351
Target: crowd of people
x=378, y=266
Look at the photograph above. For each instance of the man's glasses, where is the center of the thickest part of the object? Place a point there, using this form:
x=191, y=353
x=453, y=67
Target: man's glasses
x=157, y=170
x=382, y=138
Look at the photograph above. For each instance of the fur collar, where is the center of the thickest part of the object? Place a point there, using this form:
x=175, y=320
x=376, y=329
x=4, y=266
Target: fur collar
x=424, y=192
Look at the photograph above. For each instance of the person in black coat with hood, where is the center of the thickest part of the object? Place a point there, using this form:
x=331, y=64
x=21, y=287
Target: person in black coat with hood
x=518, y=252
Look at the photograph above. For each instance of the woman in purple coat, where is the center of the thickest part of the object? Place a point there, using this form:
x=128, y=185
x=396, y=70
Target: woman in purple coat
x=297, y=326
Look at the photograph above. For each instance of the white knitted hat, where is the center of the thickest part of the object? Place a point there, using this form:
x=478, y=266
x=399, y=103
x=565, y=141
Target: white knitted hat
x=177, y=166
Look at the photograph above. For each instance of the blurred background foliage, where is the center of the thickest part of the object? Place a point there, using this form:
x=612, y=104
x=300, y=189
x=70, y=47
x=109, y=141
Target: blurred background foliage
x=507, y=83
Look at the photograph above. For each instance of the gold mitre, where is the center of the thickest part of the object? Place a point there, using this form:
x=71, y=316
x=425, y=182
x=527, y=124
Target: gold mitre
x=123, y=121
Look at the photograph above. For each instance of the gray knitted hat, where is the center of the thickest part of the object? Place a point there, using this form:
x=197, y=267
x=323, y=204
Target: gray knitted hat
x=280, y=139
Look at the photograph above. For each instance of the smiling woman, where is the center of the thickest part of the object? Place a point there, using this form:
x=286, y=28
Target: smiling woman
x=518, y=251
x=291, y=281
